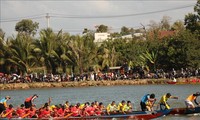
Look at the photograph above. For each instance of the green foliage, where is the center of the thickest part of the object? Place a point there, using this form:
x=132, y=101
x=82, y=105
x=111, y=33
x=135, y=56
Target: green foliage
x=126, y=31
x=62, y=52
x=27, y=26
x=102, y=28
x=192, y=21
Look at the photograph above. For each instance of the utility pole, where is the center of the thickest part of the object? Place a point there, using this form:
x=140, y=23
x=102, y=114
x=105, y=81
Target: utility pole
x=48, y=18
x=144, y=30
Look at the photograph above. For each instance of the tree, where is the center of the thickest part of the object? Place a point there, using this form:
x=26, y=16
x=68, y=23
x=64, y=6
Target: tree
x=178, y=26
x=27, y=26
x=125, y=31
x=192, y=21
x=20, y=53
x=150, y=59
x=102, y=28
x=2, y=34
x=165, y=23
x=46, y=47
x=2, y=49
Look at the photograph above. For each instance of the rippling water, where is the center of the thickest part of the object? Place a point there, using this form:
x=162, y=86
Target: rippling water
x=107, y=94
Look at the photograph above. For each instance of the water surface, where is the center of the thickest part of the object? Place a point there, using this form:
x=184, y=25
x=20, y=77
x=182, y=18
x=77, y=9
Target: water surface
x=106, y=94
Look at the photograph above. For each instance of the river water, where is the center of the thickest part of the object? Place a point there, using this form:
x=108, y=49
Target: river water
x=106, y=94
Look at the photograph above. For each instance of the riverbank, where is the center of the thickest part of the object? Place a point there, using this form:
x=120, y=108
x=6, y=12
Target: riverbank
x=36, y=85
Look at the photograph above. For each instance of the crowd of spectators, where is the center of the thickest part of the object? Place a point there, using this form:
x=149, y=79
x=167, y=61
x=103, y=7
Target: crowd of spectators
x=114, y=74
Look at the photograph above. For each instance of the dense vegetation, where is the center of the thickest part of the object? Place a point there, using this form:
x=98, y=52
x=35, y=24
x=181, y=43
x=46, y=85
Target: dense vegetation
x=60, y=52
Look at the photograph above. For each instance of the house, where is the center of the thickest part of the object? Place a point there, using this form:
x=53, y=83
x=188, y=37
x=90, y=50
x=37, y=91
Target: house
x=100, y=37
x=161, y=34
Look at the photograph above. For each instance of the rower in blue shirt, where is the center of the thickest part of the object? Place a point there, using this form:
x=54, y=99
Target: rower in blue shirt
x=147, y=102
x=3, y=104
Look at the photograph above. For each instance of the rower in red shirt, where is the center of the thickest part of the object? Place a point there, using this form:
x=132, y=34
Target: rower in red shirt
x=61, y=111
x=9, y=111
x=31, y=112
x=21, y=111
x=75, y=110
x=89, y=110
x=45, y=113
x=86, y=109
x=100, y=109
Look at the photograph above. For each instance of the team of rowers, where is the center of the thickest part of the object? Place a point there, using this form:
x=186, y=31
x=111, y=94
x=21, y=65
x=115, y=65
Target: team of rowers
x=29, y=110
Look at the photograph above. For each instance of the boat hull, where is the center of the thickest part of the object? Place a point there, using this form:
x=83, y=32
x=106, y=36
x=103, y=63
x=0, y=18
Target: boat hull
x=136, y=115
x=182, y=111
x=140, y=115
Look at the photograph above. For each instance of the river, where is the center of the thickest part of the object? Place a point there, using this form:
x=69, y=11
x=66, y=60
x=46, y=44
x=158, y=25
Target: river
x=106, y=94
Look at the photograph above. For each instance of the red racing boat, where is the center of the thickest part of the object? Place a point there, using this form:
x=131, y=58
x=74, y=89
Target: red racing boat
x=135, y=115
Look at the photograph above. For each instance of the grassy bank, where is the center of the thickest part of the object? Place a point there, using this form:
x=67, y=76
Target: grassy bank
x=14, y=86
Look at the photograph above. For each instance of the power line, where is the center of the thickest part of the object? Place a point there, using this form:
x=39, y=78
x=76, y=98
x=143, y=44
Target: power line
x=18, y=19
x=38, y=15
x=116, y=16
x=55, y=15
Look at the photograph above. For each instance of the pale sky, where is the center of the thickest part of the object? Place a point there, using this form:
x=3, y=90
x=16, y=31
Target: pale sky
x=74, y=15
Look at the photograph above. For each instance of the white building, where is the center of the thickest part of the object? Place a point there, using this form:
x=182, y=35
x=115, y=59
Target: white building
x=127, y=36
x=100, y=37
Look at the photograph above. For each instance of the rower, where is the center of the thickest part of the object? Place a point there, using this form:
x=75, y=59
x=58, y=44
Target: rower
x=128, y=107
x=163, y=101
x=100, y=109
x=190, y=98
x=29, y=101
x=9, y=111
x=122, y=106
x=111, y=108
x=3, y=103
x=146, y=100
x=21, y=111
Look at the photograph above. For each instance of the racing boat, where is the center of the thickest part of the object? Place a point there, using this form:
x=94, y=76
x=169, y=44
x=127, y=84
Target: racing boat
x=136, y=115
x=183, y=111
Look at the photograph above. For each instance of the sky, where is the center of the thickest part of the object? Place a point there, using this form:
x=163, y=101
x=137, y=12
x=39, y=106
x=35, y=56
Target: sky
x=74, y=15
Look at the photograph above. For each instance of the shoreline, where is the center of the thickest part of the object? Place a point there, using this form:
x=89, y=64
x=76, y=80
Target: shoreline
x=35, y=85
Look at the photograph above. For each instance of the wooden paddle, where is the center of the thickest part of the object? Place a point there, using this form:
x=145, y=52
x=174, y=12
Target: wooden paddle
x=4, y=115
x=25, y=115
x=68, y=115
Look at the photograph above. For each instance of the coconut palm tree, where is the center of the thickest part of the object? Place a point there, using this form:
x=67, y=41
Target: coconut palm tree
x=46, y=47
x=20, y=52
